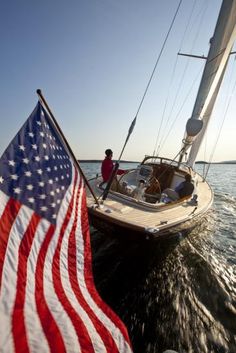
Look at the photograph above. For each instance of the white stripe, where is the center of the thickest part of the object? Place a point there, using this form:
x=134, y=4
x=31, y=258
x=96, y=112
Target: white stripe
x=3, y=201
x=61, y=317
x=9, y=278
x=94, y=336
x=35, y=334
x=117, y=335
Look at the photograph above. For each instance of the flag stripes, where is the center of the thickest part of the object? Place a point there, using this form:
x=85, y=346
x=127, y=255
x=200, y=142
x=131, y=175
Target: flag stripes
x=48, y=301
x=39, y=320
x=18, y=322
x=107, y=317
x=6, y=221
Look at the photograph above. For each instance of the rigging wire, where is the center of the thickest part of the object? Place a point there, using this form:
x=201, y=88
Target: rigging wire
x=150, y=79
x=201, y=13
x=171, y=80
x=114, y=172
x=221, y=127
x=178, y=113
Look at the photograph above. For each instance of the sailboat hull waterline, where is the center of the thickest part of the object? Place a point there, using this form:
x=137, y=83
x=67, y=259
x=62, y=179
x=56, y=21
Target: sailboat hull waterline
x=123, y=214
x=153, y=215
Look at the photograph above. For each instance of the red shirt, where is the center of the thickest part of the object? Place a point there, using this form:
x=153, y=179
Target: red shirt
x=106, y=169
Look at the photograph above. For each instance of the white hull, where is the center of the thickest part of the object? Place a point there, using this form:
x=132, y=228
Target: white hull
x=123, y=214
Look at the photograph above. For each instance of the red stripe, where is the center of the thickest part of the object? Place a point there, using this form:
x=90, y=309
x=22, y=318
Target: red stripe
x=18, y=321
x=48, y=323
x=80, y=328
x=6, y=222
x=88, y=273
x=103, y=332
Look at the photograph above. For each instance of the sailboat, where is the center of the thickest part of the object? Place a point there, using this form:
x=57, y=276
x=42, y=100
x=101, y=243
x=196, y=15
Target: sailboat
x=119, y=208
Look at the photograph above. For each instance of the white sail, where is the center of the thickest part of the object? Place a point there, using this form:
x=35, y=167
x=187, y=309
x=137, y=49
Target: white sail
x=220, y=48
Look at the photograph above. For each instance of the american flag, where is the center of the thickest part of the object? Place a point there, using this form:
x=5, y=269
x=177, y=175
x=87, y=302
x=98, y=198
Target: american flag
x=48, y=301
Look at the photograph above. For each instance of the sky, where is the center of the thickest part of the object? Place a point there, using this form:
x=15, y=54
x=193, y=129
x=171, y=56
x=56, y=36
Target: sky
x=92, y=59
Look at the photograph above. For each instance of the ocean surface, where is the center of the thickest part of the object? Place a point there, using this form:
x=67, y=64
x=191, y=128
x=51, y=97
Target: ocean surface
x=180, y=295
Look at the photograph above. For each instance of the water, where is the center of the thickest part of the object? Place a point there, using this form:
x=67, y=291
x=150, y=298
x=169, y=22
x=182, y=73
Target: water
x=180, y=296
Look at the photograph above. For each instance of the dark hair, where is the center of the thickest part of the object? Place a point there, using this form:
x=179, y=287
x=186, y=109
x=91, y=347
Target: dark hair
x=188, y=177
x=108, y=152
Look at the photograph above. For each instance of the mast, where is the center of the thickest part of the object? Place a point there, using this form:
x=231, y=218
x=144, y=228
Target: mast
x=220, y=48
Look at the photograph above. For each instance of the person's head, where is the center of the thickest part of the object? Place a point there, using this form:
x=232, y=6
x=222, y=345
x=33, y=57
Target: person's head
x=141, y=182
x=188, y=177
x=109, y=153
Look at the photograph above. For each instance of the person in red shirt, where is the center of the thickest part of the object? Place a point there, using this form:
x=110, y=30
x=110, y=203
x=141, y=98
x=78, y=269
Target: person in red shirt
x=107, y=166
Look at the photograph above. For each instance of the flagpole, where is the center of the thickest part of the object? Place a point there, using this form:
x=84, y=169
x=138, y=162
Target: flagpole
x=39, y=92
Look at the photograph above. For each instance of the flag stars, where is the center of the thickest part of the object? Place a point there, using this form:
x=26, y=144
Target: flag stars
x=25, y=160
x=39, y=122
x=28, y=173
x=34, y=146
x=41, y=183
x=31, y=199
x=11, y=163
x=39, y=171
x=30, y=187
x=17, y=190
x=42, y=196
x=14, y=176
x=53, y=204
x=46, y=158
x=42, y=133
x=52, y=193
x=48, y=169
x=1, y=180
x=37, y=158
x=43, y=208
x=44, y=145
x=50, y=181
x=22, y=147
x=31, y=134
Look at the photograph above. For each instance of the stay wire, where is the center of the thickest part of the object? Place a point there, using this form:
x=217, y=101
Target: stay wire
x=115, y=168
x=220, y=130
x=201, y=13
x=156, y=146
x=152, y=74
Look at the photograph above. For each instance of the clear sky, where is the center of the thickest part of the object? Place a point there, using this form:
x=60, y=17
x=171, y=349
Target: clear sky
x=93, y=59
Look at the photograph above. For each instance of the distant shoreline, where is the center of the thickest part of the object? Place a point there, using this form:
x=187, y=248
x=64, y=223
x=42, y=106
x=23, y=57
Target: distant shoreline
x=100, y=161
x=198, y=162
